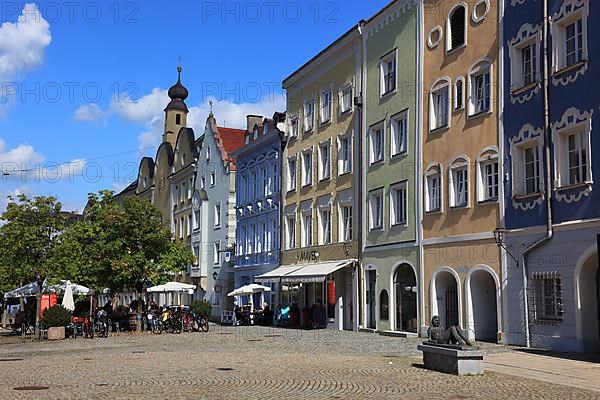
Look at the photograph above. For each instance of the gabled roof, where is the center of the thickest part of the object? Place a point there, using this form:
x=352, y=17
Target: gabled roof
x=227, y=140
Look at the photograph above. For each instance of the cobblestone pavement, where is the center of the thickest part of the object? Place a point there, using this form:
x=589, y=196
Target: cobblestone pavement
x=254, y=363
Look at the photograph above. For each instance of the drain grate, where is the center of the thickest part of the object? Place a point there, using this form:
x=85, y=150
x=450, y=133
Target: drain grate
x=255, y=340
x=273, y=336
x=225, y=369
x=32, y=388
x=10, y=359
x=138, y=352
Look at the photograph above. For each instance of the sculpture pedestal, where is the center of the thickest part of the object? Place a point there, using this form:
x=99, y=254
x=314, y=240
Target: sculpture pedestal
x=452, y=360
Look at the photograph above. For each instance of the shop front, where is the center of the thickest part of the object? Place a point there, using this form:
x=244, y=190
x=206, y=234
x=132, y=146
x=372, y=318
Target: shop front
x=319, y=295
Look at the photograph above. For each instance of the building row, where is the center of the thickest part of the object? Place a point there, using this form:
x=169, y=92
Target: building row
x=436, y=159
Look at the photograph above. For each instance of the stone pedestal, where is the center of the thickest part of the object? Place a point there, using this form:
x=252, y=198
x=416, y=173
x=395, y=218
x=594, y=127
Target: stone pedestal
x=452, y=361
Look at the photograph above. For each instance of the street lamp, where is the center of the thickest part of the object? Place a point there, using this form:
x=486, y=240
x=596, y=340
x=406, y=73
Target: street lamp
x=500, y=238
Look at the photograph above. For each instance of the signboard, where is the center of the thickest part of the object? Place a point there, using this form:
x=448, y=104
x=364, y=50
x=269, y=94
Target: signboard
x=227, y=256
x=195, y=271
x=307, y=256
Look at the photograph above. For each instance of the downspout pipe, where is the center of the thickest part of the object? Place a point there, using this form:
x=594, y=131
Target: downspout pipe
x=359, y=104
x=548, y=173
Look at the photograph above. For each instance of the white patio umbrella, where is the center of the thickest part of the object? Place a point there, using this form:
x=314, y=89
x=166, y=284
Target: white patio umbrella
x=249, y=290
x=68, y=301
x=173, y=287
x=78, y=290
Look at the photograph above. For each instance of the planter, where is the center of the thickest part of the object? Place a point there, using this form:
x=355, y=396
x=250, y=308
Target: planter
x=56, y=333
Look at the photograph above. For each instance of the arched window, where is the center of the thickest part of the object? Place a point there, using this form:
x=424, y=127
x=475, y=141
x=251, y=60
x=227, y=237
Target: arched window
x=384, y=305
x=178, y=119
x=433, y=188
x=480, y=87
x=456, y=28
x=439, y=104
x=459, y=182
x=459, y=93
x=488, y=175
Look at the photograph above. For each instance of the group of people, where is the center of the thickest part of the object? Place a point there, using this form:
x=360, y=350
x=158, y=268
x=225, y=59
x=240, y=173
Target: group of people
x=262, y=316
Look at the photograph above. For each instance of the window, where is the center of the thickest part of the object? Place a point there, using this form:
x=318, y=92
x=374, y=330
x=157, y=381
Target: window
x=433, y=189
x=217, y=215
x=456, y=28
x=376, y=209
x=292, y=174
x=439, y=105
x=264, y=179
x=400, y=133
x=207, y=153
x=548, y=305
x=255, y=133
x=291, y=232
x=217, y=253
x=570, y=36
x=376, y=143
x=524, y=57
x=191, y=189
x=346, y=99
x=459, y=93
x=526, y=167
x=307, y=229
x=189, y=225
x=181, y=228
x=459, y=183
x=260, y=238
x=345, y=155
x=324, y=226
x=346, y=222
x=250, y=240
x=274, y=178
x=253, y=185
x=309, y=116
x=388, y=73
x=241, y=244
x=480, y=88
x=307, y=168
x=183, y=192
x=213, y=179
x=197, y=219
x=488, y=176
x=326, y=105
x=178, y=119
x=384, y=305
x=324, y=161
x=398, y=204
x=203, y=182
x=571, y=137
x=294, y=127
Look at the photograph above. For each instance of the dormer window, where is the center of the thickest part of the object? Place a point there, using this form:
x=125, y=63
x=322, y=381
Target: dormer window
x=178, y=119
x=456, y=28
x=265, y=128
x=255, y=133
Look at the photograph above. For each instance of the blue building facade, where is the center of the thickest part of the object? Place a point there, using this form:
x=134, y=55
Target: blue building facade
x=258, y=198
x=551, y=157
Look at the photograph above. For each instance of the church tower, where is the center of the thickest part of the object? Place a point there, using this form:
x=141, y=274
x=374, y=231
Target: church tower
x=176, y=111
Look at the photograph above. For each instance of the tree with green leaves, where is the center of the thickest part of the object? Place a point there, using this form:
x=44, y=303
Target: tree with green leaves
x=28, y=241
x=120, y=247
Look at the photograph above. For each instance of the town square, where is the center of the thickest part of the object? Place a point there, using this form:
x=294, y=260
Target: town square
x=239, y=199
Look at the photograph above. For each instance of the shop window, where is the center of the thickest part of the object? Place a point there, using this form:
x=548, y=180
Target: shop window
x=384, y=306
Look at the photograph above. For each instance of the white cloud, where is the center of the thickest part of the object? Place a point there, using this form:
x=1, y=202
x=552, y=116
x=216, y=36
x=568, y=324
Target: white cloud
x=143, y=109
x=21, y=157
x=22, y=47
x=91, y=112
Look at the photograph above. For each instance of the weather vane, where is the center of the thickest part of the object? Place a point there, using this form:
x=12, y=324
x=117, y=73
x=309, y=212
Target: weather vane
x=211, y=106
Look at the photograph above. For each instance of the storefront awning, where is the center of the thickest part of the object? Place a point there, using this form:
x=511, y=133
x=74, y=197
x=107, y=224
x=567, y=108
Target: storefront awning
x=315, y=272
x=277, y=273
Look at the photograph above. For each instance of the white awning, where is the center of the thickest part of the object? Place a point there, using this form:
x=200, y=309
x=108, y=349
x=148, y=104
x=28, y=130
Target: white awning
x=277, y=273
x=315, y=272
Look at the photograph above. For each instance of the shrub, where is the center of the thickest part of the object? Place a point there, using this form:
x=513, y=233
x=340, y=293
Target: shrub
x=56, y=316
x=201, y=307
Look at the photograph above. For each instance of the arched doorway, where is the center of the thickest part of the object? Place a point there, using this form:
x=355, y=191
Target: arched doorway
x=588, y=282
x=405, y=289
x=445, y=299
x=371, y=296
x=483, y=318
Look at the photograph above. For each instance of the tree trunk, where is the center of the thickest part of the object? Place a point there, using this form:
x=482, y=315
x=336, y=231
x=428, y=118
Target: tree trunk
x=38, y=306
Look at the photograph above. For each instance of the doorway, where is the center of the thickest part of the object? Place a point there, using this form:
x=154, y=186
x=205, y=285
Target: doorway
x=371, y=298
x=405, y=289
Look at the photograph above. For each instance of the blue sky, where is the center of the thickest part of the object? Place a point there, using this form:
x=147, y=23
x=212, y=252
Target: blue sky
x=84, y=83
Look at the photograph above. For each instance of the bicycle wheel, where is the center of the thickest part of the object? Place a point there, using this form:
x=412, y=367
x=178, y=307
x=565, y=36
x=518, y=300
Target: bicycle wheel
x=204, y=324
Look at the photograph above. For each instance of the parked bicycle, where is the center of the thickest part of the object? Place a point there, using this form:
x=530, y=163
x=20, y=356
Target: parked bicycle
x=103, y=324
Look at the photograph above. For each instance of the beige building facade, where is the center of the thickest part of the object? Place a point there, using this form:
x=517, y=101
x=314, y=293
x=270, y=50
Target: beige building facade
x=320, y=224
x=461, y=172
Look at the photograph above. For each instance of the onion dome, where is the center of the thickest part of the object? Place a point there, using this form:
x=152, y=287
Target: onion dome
x=178, y=93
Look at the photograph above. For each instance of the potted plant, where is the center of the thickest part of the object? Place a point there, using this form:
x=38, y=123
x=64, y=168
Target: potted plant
x=56, y=318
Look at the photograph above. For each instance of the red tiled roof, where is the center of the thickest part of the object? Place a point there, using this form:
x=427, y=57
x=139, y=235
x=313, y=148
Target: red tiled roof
x=228, y=140
x=232, y=138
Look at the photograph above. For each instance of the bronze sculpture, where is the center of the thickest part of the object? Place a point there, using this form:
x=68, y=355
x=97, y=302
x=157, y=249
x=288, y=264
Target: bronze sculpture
x=437, y=335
